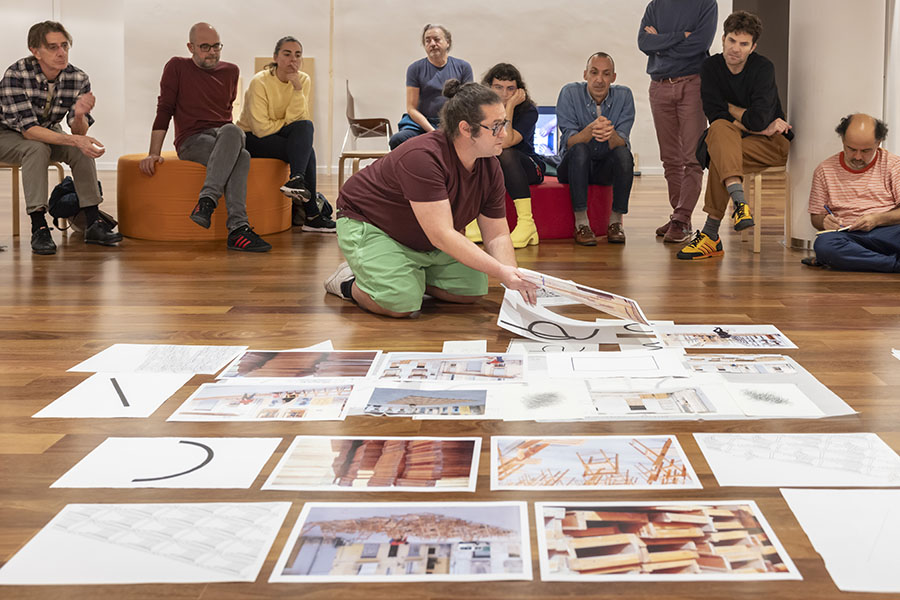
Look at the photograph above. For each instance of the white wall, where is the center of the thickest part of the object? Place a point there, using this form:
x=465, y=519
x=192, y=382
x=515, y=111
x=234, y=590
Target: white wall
x=123, y=45
x=828, y=80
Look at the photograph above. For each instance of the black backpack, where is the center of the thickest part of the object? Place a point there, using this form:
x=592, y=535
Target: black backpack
x=64, y=205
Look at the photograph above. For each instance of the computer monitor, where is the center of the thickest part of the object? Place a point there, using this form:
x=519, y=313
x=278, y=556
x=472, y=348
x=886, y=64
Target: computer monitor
x=546, y=134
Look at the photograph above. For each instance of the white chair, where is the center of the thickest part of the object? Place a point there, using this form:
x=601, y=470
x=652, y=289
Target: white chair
x=357, y=129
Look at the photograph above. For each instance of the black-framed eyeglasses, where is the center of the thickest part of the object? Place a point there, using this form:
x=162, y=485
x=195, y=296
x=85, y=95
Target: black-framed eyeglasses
x=496, y=128
x=207, y=47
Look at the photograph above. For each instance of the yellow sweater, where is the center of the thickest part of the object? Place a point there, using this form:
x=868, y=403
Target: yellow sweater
x=270, y=104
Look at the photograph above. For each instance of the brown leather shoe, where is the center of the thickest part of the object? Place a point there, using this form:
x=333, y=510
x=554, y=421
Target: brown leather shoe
x=615, y=234
x=584, y=236
x=678, y=232
x=663, y=229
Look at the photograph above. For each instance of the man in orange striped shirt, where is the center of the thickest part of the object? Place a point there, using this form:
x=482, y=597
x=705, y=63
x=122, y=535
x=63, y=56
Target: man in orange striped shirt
x=855, y=201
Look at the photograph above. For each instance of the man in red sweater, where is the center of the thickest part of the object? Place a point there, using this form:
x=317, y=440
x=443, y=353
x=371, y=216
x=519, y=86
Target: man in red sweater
x=199, y=92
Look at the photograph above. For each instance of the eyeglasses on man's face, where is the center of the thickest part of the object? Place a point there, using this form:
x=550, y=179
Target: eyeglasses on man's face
x=207, y=47
x=497, y=127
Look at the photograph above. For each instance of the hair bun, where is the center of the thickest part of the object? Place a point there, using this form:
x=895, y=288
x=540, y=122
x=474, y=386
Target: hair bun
x=451, y=87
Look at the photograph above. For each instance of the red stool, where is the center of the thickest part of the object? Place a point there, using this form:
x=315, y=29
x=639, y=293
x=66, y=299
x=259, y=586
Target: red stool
x=552, y=209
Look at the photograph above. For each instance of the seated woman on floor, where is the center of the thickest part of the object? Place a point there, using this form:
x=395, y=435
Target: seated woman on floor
x=425, y=80
x=402, y=234
x=276, y=119
x=520, y=163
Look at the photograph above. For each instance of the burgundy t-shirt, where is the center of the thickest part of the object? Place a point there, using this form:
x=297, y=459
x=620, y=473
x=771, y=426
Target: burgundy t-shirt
x=423, y=169
x=197, y=98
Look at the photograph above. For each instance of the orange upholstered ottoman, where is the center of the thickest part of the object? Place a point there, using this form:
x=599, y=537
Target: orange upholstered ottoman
x=158, y=207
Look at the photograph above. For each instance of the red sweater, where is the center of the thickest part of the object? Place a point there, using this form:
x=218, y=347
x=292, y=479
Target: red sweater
x=198, y=98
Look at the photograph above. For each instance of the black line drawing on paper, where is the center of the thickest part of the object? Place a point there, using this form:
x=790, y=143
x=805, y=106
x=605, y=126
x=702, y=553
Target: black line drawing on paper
x=119, y=392
x=562, y=336
x=209, y=457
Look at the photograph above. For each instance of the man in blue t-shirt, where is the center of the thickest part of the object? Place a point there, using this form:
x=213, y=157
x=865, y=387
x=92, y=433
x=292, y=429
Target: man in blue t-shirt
x=595, y=119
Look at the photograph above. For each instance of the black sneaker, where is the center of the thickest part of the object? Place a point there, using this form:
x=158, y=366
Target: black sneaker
x=202, y=213
x=244, y=239
x=100, y=233
x=321, y=224
x=296, y=188
x=42, y=242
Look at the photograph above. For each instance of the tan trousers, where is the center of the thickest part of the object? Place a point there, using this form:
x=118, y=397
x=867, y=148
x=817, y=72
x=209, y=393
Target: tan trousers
x=34, y=157
x=730, y=155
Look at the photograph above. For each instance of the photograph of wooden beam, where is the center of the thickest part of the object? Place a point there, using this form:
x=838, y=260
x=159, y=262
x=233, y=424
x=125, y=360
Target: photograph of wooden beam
x=646, y=541
x=590, y=462
x=265, y=364
x=377, y=464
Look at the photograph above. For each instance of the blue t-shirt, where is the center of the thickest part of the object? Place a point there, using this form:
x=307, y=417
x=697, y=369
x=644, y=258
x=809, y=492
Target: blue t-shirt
x=431, y=79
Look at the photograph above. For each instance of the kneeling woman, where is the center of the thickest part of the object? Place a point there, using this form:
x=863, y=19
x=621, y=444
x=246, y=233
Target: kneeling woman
x=400, y=220
x=277, y=122
x=520, y=163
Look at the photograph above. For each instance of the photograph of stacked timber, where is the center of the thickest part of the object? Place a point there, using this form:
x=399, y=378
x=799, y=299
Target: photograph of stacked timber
x=305, y=364
x=647, y=540
x=422, y=526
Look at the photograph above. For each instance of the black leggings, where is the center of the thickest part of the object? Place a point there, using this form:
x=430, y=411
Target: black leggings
x=293, y=144
x=519, y=171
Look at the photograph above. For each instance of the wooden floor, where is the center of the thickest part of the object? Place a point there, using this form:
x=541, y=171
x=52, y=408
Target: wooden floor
x=59, y=310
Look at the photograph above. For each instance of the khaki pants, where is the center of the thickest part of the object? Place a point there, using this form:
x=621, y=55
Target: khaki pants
x=34, y=157
x=731, y=155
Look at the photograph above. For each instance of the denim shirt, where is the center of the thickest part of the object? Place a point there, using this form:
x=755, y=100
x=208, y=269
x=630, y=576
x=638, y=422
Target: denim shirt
x=575, y=109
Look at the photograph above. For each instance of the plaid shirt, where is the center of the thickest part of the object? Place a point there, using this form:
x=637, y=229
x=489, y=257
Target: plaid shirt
x=24, y=91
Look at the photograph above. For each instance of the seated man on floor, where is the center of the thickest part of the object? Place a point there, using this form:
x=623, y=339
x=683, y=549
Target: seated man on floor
x=401, y=220
x=36, y=93
x=199, y=92
x=747, y=129
x=855, y=201
x=595, y=119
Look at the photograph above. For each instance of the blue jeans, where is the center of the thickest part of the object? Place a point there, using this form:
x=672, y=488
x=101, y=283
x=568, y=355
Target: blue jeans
x=594, y=163
x=293, y=144
x=875, y=250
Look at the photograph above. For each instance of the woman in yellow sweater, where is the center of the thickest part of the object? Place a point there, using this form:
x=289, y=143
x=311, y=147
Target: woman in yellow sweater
x=277, y=122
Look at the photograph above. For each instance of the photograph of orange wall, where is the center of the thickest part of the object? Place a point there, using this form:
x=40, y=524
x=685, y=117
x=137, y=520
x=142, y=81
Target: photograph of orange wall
x=377, y=464
x=647, y=541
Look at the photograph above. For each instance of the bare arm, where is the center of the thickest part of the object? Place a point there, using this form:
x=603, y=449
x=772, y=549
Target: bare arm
x=412, y=104
x=871, y=221
x=436, y=220
x=513, y=137
x=88, y=145
x=148, y=164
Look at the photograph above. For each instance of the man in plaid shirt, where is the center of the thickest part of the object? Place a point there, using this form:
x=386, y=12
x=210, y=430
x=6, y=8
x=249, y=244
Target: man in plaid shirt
x=36, y=93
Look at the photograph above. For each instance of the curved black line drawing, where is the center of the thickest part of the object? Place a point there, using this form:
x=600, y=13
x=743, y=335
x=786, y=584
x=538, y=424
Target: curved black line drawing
x=209, y=457
x=562, y=336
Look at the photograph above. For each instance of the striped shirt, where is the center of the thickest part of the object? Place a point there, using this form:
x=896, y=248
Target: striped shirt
x=851, y=194
x=25, y=90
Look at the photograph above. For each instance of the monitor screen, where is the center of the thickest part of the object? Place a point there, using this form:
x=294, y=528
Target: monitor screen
x=546, y=135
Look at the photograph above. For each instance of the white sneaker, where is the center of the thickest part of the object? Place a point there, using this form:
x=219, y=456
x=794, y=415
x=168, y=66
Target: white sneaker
x=333, y=283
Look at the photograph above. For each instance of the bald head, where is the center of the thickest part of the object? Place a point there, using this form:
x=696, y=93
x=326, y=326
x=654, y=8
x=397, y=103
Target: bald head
x=204, y=45
x=861, y=135
x=202, y=29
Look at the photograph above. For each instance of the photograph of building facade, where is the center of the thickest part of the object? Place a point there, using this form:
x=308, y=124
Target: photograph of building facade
x=410, y=402
x=438, y=367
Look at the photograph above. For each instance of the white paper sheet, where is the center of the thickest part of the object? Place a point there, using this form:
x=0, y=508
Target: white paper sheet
x=171, y=462
x=665, y=399
x=773, y=400
x=149, y=543
x=541, y=400
x=138, y=395
x=800, y=459
x=748, y=337
x=160, y=358
x=896, y=353
x=465, y=347
x=628, y=540
x=268, y=400
x=436, y=366
x=294, y=364
x=326, y=346
x=455, y=541
x=526, y=346
x=609, y=462
x=627, y=363
x=856, y=533
x=343, y=464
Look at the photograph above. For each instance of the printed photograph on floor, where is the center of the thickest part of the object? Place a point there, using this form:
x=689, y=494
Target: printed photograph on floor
x=266, y=364
x=658, y=541
x=407, y=541
x=378, y=464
